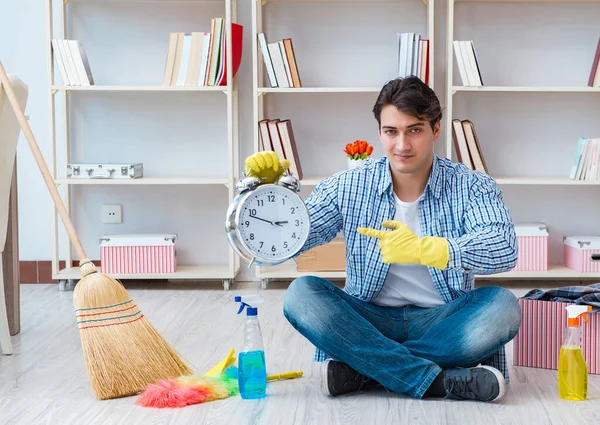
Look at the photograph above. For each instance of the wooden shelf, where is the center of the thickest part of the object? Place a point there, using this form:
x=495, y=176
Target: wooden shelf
x=527, y=89
x=146, y=180
x=555, y=271
x=342, y=1
x=545, y=181
x=527, y=1
x=288, y=271
x=223, y=89
x=504, y=181
x=319, y=90
x=182, y=272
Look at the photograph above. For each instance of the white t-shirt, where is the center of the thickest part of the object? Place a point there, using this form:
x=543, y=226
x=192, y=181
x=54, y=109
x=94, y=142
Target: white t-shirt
x=408, y=283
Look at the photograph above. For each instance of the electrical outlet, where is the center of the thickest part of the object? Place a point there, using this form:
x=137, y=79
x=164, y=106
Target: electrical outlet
x=111, y=214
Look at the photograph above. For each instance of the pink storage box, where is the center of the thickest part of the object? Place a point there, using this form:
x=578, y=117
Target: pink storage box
x=540, y=337
x=578, y=251
x=532, y=239
x=138, y=254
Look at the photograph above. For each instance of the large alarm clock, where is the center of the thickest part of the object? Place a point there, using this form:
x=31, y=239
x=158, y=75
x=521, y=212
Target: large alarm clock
x=267, y=223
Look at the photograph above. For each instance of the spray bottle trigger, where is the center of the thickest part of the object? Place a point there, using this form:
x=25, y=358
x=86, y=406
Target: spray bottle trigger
x=242, y=305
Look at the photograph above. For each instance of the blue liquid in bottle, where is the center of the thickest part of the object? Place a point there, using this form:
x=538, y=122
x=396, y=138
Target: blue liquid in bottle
x=252, y=372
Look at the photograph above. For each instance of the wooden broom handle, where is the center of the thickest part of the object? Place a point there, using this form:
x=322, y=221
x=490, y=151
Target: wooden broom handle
x=60, y=206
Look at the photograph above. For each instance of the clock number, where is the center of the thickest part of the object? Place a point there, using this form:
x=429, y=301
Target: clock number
x=297, y=223
x=251, y=236
x=293, y=210
x=261, y=244
x=247, y=223
x=271, y=198
x=252, y=212
x=283, y=201
x=273, y=248
x=294, y=235
x=285, y=245
x=260, y=202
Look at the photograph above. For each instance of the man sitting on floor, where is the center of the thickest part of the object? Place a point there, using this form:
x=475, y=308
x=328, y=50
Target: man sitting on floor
x=417, y=229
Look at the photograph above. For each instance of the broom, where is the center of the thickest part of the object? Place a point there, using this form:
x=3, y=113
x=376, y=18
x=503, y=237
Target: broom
x=123, y=351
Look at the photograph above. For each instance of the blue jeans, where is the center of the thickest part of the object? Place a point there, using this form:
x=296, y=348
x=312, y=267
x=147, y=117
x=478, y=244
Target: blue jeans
x=402, y=348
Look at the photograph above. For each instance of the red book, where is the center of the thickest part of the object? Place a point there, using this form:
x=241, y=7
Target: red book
x=236, y=45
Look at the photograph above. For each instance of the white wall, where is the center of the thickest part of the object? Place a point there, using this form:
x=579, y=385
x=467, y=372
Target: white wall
x=126, y=43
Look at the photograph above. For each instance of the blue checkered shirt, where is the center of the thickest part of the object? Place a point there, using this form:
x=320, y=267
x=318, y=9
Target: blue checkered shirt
x=463, y=206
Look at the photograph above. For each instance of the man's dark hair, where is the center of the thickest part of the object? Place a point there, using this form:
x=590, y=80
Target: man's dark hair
x=411, y=96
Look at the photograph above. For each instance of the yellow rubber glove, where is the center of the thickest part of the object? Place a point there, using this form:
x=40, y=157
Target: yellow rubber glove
x=402, y=246
x=265, y=165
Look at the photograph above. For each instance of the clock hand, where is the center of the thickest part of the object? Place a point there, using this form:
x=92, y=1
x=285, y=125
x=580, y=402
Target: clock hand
x=261, y=219
x=279, y=223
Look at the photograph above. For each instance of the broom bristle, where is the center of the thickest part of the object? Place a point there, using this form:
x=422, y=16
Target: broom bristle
x=123, y=352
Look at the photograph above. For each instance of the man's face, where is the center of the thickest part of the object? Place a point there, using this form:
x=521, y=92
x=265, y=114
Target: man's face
x=407, y=141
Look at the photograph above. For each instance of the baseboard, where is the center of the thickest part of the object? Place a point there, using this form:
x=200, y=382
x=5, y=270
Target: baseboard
x=40, y=271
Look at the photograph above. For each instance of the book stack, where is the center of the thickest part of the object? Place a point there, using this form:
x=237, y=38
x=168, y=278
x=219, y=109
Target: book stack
x=72, y=62
x=467, y=145
x=594, y=80
x=413, y=56
x=468, y=67
x=199, y=58
x=280, y=62
x=587, y=157
x=277, y=135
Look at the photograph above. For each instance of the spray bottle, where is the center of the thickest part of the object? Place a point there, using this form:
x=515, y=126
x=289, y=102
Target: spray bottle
x=252, y=369
x=572, y=369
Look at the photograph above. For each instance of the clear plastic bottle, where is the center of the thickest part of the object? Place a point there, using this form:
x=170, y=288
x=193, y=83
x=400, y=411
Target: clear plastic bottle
x=252, y=369
x=572, y=369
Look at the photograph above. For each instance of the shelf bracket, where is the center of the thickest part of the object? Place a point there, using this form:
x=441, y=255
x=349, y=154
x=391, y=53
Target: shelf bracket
x=54, y=91
x=66, y=1
x=68, y=92
x=263, y=2
x=261, y=94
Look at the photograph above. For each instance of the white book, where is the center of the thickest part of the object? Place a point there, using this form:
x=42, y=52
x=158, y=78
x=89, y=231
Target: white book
x=185, y=59
x=577, y=159
x=467, y=61
x=415, y=55
x=278, y=64
x=204, y=59
x=68, y=59
x=460, y=63
x=56, y=53
x=418, y=57
x=403, y=55
x=76, y=49
x=409, y=53
x=473, y=62
x=584, y=160
x=262, y=41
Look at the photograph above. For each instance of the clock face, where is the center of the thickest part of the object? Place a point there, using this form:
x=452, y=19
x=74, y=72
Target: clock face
x=273, y=222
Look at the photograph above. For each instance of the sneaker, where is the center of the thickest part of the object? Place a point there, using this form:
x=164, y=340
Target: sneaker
x=482, y=383
x=338, y=378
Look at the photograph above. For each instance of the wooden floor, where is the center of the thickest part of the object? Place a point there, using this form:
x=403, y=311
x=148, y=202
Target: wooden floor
x=45, y=381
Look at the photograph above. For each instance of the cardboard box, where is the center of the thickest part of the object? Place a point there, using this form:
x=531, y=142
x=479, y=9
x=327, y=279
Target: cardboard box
x=540, y=337
x=330, y=257
x=138, y=254
x=533, y=247
x=578, y=252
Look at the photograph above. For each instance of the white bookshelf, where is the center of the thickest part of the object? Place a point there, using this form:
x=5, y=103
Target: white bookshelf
x=555, y=271
x=524, y=89
x=95, y=88
x=288, y=271
x=60, y=94
x=262, y=92
x=146, y=181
